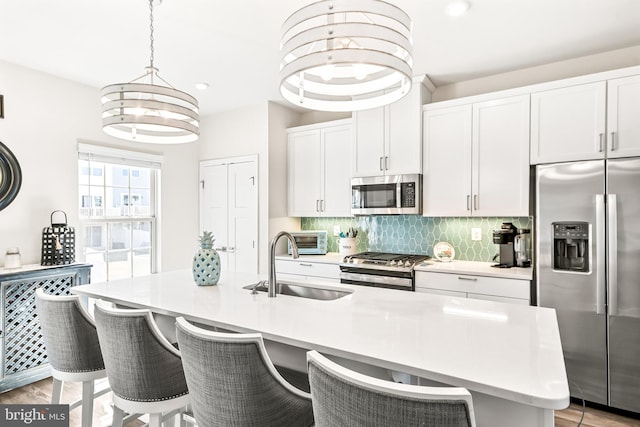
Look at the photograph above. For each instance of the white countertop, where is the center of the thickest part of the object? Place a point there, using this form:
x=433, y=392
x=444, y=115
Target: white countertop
x=504, y=350
x=475, y=268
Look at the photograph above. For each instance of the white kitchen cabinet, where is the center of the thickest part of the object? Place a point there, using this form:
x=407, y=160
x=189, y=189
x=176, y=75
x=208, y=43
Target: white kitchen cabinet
x=319, y=166
x=305, y=270
x=476, y=159
x=499, y=289
x=388, y=140
x=623, y=110
x=568, y=123
x=587, y=121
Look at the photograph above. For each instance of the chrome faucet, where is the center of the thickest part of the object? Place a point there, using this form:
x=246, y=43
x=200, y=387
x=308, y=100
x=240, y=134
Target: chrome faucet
x=272, y=258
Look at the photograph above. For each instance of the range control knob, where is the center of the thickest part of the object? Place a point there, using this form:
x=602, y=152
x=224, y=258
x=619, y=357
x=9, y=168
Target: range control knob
x=408, y=263
x=392, y=263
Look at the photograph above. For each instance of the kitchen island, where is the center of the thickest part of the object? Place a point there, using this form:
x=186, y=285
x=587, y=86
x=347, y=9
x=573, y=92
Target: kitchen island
x=508, y=356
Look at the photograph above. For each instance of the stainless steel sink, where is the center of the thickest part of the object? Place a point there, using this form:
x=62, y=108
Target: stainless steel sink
x=311, y=292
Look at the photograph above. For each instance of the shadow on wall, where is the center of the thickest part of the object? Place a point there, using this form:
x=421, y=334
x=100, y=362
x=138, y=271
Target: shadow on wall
x=417, y=234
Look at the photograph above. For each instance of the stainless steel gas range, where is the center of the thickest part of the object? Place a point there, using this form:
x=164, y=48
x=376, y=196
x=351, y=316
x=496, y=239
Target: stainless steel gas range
x=380, y=269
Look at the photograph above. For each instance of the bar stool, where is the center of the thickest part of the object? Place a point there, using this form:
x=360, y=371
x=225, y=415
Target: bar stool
x=342, y=397
x=232, y=381
x=73, y=351
x=144, y=369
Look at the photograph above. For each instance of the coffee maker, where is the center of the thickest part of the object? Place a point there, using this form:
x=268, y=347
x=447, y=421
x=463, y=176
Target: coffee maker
x=505, y=237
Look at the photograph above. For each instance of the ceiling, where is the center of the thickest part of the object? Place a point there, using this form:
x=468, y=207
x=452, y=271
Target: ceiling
x=234, y=44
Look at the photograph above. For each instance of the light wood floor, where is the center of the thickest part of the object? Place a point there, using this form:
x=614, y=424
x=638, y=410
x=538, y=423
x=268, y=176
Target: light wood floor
x=592, y=418
x=40, y=393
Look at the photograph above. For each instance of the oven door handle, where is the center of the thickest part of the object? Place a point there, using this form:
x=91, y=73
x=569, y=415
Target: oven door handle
x=402, y=282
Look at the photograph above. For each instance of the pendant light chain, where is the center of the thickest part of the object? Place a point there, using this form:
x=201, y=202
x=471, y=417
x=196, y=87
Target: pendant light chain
x=151, y=31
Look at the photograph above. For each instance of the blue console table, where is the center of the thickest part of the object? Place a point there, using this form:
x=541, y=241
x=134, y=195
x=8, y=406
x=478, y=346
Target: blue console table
x=23, y=356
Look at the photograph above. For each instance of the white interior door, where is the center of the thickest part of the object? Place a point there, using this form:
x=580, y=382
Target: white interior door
x=229, y=209
x=243, y=217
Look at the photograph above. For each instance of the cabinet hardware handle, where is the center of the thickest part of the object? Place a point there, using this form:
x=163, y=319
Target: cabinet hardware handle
x=475, y=202
x=613, y=141
x=601, y=142
x=317, y=205
x=321, y=205
x=468, y=202
x=381, y=165
x=472, y=279
x=304, y=264
x=386, y=163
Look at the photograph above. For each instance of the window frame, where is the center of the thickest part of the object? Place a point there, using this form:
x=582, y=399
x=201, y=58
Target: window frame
x=132, y=160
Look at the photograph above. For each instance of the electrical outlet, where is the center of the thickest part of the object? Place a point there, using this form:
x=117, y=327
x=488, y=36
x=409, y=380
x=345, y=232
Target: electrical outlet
x=336, y=230
x=476, y=234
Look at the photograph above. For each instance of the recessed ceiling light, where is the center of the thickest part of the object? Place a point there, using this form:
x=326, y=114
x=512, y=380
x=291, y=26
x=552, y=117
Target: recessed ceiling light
x=457, y=7
x=202, y=85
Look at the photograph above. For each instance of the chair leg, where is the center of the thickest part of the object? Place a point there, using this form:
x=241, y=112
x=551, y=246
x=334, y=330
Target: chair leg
x=56, y=392
x=155, y=420
x=118, y=414
x=87, y=403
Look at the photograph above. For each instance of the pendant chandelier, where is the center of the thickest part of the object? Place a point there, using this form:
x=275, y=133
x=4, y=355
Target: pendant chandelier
x=346, y=55
x=148, y=109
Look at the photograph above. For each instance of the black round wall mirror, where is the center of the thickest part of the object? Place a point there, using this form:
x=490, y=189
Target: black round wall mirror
x=10, y=176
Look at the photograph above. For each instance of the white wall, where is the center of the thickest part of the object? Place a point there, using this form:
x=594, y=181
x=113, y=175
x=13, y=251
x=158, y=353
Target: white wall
x=280, y=118
x=239, y=133
x=261, y=130
x=590, y=64
x=45, y=116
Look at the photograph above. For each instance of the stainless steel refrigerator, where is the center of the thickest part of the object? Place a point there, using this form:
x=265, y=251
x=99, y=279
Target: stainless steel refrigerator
x=588, y=253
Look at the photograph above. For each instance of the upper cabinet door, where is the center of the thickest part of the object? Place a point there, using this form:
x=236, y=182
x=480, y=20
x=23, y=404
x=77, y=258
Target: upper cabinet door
x=368, y=147
x=500, y=171
x=403, y=147
x=623, y=117
x=388, y=140
x=336, y=167
x=304, y=173
x=568, y=124
x=446, y=179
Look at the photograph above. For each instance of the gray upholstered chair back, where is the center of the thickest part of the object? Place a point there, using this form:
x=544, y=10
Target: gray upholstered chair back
x=69, y=333
x=141, y=364
x=232, y=381
x=342, y=397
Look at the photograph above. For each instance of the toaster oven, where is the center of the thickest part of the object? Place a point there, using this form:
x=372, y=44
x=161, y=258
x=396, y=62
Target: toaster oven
x=309, y=242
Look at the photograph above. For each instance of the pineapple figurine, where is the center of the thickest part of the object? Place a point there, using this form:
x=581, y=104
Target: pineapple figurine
x=206, y=262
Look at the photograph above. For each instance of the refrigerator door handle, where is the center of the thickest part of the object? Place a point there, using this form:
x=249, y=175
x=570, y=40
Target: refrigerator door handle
x=612, y=246
x=600, y=255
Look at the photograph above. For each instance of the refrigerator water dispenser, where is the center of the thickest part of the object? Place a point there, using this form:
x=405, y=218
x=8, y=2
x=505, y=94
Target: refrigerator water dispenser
x=571, y=246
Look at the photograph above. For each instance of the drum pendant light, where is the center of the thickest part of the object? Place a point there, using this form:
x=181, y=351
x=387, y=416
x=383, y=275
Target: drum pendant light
x=148, y=109
x=346, y=55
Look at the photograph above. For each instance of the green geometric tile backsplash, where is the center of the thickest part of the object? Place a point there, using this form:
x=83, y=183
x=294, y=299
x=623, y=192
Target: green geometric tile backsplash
x=415, y=234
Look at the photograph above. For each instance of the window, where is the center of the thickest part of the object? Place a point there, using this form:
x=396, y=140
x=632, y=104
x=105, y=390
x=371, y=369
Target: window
x=118, y=209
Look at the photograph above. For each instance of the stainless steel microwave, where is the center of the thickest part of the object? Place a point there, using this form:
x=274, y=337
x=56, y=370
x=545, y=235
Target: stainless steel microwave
x=309, y=242
x=387, y=195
